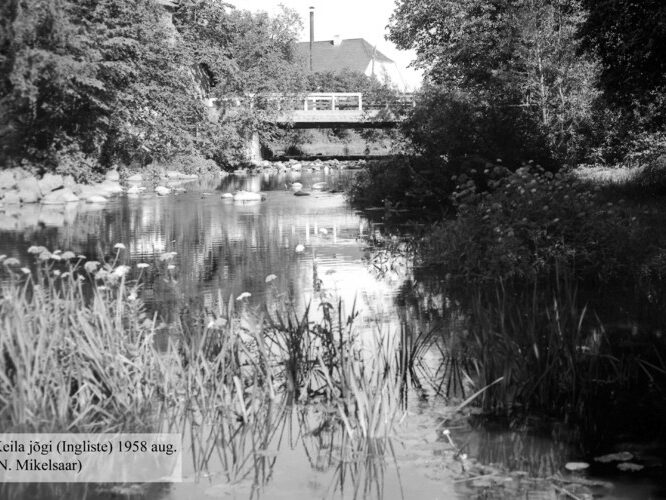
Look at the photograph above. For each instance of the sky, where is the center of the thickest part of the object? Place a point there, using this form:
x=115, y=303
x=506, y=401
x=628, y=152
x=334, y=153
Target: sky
x=348, y=19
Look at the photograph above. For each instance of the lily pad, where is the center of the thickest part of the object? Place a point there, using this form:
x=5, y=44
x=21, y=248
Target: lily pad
x=629, y=467
x=623, y=456
x=576, y=466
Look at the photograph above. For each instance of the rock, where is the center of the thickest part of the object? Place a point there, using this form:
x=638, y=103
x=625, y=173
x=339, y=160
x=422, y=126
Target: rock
x=50, y=182
x=135, y=178
x=622, y=456
x=135, y=189
x=172, y=174
x=69, y=182
x=228, y=196
x=29, y=191
x=296, y=186
x=11, y=198
x=110, y=187
x=296, y=166
x=576, y=466
x=112, y=175
x=60, y=197
x=7, y=179
x=319, y=186
x=629, y=467
x=301, y=193
x=162, y=190
x=95, y=198
x=248, y=196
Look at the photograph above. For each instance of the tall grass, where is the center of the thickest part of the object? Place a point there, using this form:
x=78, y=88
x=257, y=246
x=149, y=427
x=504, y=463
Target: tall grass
x=73, y=356
x=554, y=356
x=79, y=353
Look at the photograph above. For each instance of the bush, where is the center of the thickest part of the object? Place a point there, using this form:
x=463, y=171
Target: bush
x=530, y=222
x=455, y=124
x=193, y=164
x=84, y=169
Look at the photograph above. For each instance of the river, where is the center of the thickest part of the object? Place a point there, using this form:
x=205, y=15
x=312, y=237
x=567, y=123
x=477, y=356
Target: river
x=300, y=249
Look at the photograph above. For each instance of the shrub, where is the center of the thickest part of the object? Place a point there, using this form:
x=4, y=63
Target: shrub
x=529, y=222
x=193, y=164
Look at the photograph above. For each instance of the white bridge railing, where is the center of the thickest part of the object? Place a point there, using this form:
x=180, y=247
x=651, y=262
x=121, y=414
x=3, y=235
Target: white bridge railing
x=321, y=106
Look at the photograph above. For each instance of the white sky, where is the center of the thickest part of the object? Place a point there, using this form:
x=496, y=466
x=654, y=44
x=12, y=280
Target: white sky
x=348, y=19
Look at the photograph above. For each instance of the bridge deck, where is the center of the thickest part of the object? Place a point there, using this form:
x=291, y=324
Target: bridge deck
x=336, y=110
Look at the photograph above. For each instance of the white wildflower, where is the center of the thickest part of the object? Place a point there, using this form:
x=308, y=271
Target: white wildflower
x=91, y=266
x=25, y=270
x=34, y=249
x=142, y=265
x=119, y=246
x=120, y=271
x=244, y=295
x=270, y=278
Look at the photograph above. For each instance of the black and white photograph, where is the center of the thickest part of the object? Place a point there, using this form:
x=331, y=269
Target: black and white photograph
x=316, y=249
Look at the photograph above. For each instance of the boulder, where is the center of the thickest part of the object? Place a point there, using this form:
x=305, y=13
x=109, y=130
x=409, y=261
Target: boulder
x=60, y=197
x=109, y=187
x=69, y=182
x=95, y=198
x=7, y=179
x=248, y=196
x=135, y=189
x=162, y=190
x=11, y=198
x=112, y=175
x=135, y=178
x=50, y=182
x=29, y=190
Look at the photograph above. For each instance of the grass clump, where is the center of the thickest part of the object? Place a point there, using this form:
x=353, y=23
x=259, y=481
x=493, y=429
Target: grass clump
x=74, y=357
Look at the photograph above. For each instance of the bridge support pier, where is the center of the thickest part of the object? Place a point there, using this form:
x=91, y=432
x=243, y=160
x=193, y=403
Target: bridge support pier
x=253, y=148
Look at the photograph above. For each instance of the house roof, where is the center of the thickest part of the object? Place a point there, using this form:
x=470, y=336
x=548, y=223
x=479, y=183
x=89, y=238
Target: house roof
x=354, y=54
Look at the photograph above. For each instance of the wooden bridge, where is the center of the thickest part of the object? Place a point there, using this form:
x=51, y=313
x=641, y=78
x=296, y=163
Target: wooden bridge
x=325, y=109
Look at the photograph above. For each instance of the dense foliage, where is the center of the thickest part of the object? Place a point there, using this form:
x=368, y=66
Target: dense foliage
x=91, y=84
x=510, y=66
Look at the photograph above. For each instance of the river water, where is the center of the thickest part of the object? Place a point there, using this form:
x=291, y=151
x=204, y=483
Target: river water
x=309, y=248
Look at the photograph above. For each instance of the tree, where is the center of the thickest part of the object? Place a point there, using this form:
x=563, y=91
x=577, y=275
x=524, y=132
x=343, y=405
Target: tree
x=511, y=57
x=629, y=38
x=99, y=82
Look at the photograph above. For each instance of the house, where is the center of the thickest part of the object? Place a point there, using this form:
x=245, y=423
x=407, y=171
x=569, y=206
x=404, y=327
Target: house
x=355, y=54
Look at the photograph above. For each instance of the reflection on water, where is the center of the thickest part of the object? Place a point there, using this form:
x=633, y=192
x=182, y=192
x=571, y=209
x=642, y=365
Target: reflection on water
x=224, y=249
x=220, y=244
